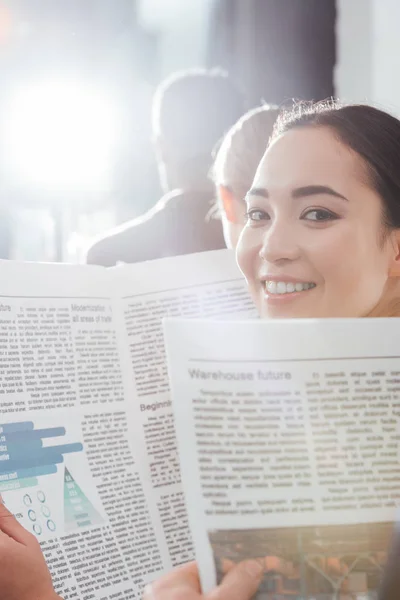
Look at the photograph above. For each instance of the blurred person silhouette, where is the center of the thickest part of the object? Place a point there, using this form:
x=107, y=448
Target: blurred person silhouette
x=192, y=111
x=236, y=164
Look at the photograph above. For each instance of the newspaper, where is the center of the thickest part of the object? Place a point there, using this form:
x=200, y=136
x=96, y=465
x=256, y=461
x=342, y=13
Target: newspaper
x=88, y=457
x=289, y=441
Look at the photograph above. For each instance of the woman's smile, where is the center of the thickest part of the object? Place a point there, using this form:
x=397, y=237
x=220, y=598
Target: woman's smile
x=279, y=289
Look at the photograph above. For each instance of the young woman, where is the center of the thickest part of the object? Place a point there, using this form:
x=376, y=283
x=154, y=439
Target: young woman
x=236, y=164
x=323, y=216
x=322, y=239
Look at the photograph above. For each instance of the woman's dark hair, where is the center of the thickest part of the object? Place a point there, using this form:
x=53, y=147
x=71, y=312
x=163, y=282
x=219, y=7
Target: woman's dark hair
x=372, y=133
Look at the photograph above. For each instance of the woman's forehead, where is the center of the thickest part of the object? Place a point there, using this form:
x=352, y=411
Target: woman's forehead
x=309, y=155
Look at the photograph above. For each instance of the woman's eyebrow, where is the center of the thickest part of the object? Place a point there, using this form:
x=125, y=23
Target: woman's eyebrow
x=301, y=192
x=258, y=192
x=314, y=190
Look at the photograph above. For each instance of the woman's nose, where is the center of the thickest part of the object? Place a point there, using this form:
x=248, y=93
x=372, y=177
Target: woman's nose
x=279, y=243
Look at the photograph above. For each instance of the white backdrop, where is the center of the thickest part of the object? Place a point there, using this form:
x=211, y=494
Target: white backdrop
x=368, y=52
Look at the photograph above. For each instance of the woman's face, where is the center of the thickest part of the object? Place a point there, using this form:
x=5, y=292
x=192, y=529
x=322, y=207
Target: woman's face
x=313, y=244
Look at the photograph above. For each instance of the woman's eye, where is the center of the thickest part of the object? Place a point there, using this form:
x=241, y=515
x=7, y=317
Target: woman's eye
x=256, y=214
x=319, y=215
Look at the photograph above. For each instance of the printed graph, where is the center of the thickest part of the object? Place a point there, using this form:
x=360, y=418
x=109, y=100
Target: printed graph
x=78, y=510
x=24, y=457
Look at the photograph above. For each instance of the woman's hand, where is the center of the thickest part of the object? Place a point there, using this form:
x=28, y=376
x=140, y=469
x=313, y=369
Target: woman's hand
x=183, y=583
x=23, y=571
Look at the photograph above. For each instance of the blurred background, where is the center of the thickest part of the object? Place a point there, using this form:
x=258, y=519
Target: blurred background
x=77, y=78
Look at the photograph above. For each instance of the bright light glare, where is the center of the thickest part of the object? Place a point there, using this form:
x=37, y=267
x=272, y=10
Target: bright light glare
x=61, y=136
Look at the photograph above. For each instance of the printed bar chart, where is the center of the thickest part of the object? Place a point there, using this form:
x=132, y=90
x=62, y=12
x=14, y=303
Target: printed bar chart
x=24, y=457
x=18, y=484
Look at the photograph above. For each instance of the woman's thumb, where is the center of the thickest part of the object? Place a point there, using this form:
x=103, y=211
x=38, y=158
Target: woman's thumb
x=241, y=583
x=11, y=527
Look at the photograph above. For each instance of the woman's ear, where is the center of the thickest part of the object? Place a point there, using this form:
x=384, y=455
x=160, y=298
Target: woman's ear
x=228, y=203
x=394, y=269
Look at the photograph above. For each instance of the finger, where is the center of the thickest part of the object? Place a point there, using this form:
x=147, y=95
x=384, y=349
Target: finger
x=241, y=583
x=186, y=576
x=11, y=527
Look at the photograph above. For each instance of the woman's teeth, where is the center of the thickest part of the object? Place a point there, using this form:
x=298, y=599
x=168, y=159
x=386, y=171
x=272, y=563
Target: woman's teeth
x=280, y=287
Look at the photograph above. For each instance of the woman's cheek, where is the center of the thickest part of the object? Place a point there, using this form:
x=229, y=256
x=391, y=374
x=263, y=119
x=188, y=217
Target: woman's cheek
x=247, y=252
x=235, y=232
x=330, y=250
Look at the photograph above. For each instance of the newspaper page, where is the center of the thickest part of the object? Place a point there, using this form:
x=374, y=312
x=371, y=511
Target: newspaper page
x=87, y=442
x=66, y=468
x=207, y=285
x=289, y=442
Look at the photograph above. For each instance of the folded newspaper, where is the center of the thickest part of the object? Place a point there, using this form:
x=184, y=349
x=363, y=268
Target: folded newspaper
x=88, y=457
x=289, y=442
